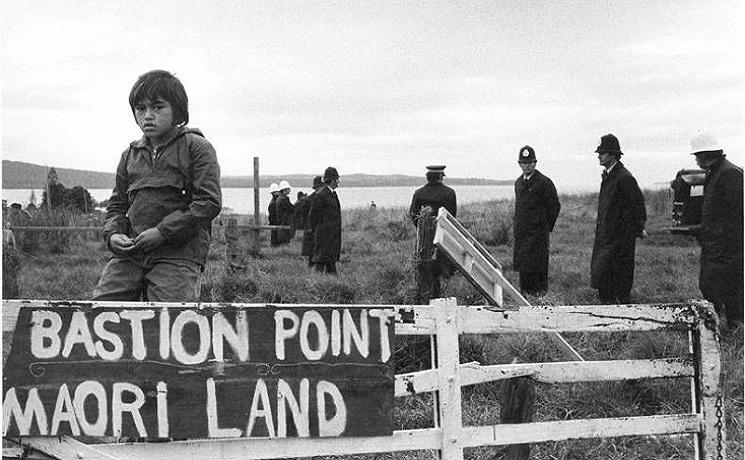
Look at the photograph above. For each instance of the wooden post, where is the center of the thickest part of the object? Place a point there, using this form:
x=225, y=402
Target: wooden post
x=256, y=233
x=426, y=282
x=448, y=380
x=11, y=266
x=712, y=439
x=518, y=395
x=233, y=255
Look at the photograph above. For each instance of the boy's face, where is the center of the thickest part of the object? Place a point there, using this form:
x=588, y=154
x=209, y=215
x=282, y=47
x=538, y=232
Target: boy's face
x=155, y=119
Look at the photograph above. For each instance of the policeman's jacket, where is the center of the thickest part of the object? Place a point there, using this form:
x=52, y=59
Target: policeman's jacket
x=536, y=209
x=435, y=195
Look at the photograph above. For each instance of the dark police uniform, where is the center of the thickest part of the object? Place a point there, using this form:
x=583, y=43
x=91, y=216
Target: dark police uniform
x=536, y=209
x=436, y=195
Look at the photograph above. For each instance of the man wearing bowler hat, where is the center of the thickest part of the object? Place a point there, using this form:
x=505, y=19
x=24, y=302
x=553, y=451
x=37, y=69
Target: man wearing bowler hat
x=325, y=220
x=621, y=218
x=536, y=209
x=434, y=195
x=720, y=233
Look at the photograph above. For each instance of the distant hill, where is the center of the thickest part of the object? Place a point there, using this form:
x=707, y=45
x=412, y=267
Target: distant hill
x=17, y=174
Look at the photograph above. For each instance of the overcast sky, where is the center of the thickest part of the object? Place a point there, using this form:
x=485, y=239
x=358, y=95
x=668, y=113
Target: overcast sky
x=381, y=87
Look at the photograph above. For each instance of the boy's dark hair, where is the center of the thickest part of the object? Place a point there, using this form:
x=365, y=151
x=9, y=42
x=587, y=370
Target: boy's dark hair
x=163, y=84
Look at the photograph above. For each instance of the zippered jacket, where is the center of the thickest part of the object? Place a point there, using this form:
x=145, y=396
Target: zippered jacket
x=175, y=188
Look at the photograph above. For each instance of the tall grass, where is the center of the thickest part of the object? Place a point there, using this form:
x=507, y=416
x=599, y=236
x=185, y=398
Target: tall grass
x=376, y=267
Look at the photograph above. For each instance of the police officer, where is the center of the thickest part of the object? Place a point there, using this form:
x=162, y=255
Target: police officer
x=435, y=195
x=536, y=209
x=720, y=233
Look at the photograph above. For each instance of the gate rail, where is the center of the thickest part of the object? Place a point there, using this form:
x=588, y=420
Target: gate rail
x=445, y=321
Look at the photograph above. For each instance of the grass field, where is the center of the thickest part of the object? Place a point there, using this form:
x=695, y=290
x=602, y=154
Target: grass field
x=376, y=267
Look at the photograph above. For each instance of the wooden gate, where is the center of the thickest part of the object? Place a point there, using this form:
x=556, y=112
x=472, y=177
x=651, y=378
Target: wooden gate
x=444, y=321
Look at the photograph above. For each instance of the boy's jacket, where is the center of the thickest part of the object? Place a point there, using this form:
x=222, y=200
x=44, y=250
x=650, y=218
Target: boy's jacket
x=176, y=189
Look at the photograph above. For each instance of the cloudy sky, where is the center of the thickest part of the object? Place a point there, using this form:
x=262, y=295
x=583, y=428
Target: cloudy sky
x=381, y=87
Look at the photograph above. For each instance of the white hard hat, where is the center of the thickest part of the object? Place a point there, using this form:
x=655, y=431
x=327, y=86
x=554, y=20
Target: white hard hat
x=273, y=187
x=284, y=185
x=704, y=143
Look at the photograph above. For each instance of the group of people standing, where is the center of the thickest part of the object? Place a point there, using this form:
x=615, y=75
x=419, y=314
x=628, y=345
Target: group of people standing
x=621, y=219
x=167, y=192
x=318, y=214
x=281, y=212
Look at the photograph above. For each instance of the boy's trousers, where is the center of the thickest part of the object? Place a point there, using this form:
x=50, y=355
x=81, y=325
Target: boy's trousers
x=142, y=278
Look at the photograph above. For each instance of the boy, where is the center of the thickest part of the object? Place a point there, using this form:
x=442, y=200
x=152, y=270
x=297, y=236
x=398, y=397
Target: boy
x=167, y=191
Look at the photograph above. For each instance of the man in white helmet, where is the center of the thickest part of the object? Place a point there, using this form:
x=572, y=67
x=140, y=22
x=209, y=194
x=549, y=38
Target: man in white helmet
x=285, y=211
x=720, y=233
x=272, y=212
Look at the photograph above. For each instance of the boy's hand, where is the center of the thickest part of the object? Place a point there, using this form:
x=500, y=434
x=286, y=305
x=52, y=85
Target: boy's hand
x=149, y=239
x=121, y=243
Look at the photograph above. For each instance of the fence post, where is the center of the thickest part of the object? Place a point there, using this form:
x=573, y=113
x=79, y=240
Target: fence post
x=233, y=253
x=11, y=266
x=256, y=232
x=448, y=380
x=713, y=438
x=425, y=276
x=518, y=395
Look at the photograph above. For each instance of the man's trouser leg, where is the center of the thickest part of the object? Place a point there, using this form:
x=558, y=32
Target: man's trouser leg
x=534, y=283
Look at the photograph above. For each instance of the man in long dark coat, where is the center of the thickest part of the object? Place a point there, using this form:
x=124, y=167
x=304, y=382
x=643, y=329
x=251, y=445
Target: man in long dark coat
x=435, y=195
x=721, y=231
x=272, y=213
x=285, y=211
x=302, y=211
x=536, y=209
x=621, y=219
x=325, y=220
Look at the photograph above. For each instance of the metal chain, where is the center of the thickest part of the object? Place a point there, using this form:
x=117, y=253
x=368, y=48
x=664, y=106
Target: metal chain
x=720, y=426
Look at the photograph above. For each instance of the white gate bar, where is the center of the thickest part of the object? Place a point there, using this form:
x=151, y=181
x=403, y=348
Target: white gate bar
x=254, y=449
x=529, y=433
x=66, y=448
x=420, y=319
x=559, y=372
x=480, y=320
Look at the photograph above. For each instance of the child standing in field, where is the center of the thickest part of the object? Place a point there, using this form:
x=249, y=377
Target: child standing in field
x=167, y=191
